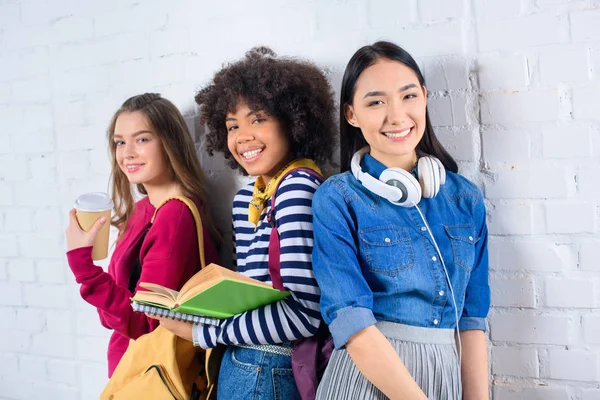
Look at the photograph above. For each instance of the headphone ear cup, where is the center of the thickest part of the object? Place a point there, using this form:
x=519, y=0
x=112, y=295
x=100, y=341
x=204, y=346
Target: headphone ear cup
x=428, y=178
x=405, y=182
x=442, y=170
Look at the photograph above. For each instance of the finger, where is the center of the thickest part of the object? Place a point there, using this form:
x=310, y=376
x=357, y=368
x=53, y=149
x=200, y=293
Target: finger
x=97, y=226
x=73, y=218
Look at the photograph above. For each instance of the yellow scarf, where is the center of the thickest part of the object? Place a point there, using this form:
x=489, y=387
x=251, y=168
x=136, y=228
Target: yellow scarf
x=263, y=192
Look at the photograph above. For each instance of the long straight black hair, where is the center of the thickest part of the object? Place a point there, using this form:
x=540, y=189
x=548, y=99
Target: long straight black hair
x=351, y=138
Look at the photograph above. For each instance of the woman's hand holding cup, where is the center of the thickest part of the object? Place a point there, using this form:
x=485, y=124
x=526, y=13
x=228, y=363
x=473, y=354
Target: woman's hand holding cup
x=77, y=237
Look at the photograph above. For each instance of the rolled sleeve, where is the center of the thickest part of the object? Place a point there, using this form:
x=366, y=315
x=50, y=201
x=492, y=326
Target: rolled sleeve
x=471, y=324
x=348, y=322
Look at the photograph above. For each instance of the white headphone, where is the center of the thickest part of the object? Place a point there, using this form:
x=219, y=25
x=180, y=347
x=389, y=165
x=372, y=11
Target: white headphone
x=399, y=186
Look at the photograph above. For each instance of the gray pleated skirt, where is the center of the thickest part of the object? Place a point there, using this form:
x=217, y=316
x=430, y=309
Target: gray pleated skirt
x=429, y=355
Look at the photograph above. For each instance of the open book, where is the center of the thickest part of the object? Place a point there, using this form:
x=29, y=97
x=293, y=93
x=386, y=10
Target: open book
x=213, y=292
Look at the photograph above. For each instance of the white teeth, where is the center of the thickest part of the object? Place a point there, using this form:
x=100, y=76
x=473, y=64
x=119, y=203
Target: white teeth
x=397, y=135
x=250, y=154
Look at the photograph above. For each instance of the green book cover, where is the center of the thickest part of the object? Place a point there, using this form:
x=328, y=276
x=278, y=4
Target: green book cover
x=228, y=298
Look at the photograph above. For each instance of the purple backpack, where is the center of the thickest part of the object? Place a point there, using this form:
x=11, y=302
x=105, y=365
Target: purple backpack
x=310, y=355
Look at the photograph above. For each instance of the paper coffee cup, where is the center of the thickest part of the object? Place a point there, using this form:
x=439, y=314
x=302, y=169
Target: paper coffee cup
x=89, y=207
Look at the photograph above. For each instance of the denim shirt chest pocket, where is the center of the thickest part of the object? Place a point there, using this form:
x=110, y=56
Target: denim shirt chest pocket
x=462, y=238
x=387, y=249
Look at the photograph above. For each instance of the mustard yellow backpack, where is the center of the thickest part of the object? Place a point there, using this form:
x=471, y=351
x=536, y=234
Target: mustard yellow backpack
x=161, y=365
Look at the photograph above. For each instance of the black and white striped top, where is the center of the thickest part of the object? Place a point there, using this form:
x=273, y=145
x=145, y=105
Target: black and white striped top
x=298, y=315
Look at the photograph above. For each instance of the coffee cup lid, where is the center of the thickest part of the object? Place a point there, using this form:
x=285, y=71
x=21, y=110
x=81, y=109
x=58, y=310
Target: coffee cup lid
x=94, y=202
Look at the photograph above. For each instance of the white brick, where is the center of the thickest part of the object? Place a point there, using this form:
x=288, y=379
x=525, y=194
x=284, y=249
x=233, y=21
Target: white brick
x=575, y=365
x=587, y=182
x=439, y=10
x=87, y=323
x=585, y=25
x=8, y=315
x=487, y=9
x=530, y=329
x=535, y=106
x=46, y=296
x=448, y=111
x=69, y=113
x=445, y=73
x=460, y=144
x=62, y=371
x=570, y=218
x=51, y=271
x=6, y=195
x=578, y=145
x=93, y=378
x=442, y=39
x=564, y=292
x=22, y=38
x=39, y=141
x=591, y=329
x=36, y=194
x=36, y=12
x=538, y=182
x=537, y=393
x=71, y=29
x=92, y=348
x=9, y=365
x=138, y=17
x=589, y=256
x=14, y=388
x=8, y=246
x=512, y=361
x=13, y=168
x=586, y=103
x=590, y=394
x=53, y=345
x=502, y=72
x=506, y=146
x=81, y=138
x=72, y=84
x=17, y=220
x=59, y=321
x=36, y=246
x=31, y=90
x=43, y=168
x=173, y=41
x=511, y=219
x=21, y=270
x=29, y=320
x=523, y=32
x=568, y=64
x=32, y=366
x=50, y=391
x=48, y=222
x=73, y=165
x=10, y=15
x=513, y=292
x=395, y=14
x=14, y=341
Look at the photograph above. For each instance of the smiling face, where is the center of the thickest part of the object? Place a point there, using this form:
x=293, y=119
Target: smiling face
x=139, y=151
x=389, y=107
x=256, y=141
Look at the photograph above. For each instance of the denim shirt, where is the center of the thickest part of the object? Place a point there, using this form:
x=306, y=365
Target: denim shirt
x=376, y=261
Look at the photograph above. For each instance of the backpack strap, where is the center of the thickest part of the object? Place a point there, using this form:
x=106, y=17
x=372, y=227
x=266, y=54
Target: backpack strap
x=274, y=245
x=196, y=214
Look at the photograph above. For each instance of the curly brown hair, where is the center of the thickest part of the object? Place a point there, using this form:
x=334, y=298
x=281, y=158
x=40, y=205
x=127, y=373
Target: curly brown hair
x=295, y=92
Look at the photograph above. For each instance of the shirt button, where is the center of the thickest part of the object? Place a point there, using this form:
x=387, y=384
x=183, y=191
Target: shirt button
x=434, y=258
x=441, y=292
x=423, y=228
x=471, y=238
x=435, y=322
x=387, y=240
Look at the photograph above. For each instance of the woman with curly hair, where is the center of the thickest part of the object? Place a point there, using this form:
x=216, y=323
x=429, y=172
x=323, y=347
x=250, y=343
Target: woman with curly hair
x=272, y=118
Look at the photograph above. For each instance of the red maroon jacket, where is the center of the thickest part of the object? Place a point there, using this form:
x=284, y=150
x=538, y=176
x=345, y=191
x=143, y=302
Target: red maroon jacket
x=169, y=257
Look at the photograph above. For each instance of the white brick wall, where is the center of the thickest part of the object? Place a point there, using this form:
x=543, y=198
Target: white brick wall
x=514, y=91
